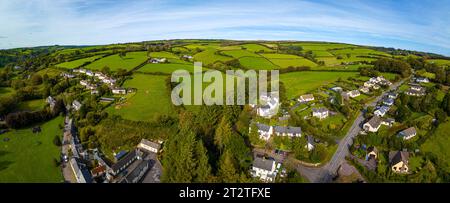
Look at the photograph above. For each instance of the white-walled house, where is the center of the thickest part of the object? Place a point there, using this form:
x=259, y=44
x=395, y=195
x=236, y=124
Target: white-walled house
x=270, y=105
x=119, y=90
x=364, y=90
x=373, y=124
x=264, y=169
x=306, y=98
x=408, y=133
x=287, y=131
x=381, y=111
x=399, y=161
x=309, y=143
x=149, y=146
x=320, y=113
x=264, y=131
x=353, y=93
x=422, y=80
x=76, y=105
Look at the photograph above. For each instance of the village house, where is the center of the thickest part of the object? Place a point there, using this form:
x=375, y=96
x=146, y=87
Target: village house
x=270, y=105
x=158, y=60
x=89, y=73
x=372, y=153
x=80, y=171
x=264, y=131
x=94, y=92
x=187, y=57
x=422, y=80
x=392, y=95
x=76, y=105
x=408, y=133
x=119, y=90
x=375, y=87
x=123, y=163
x=51, y=101
x=388, y=101
x=373, y=124
x=337, y=89
x=418, y=92
x=149, y=146
x=67, y=75
x=309, y=143
x=388, y=122
x=320, y=113
x=364, y=90
x=109, y=81
x=287, y=131
x=264, y=169
x=353, y=93
x=399, y=161
x=84, y=82
x=306, y=98
x=98, y=171
x=137, y=173
x=368, y=84
x=381, y=111
x=416, y=87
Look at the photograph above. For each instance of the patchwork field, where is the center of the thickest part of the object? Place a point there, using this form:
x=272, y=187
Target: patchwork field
x=28, y=157
x=77, y=63
x=257, y=48
x=150, y=100
x=166, y=68
x=240, y=53
x=257, y=63
x=285, y=60
x=298, y=83
x=163, y=54
x=115, y=62
x=209, y=57
x=440, y=62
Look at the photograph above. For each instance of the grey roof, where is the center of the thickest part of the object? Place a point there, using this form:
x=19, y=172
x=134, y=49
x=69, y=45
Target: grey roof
x=310, y=139
x=125, y=160
x=375, y=121
x=155, y=145
x=320, y=110
x=408, y=132
x=137, y=173
x=262, y=163
x=263, y=127
x=397, y=156
x=289, y=129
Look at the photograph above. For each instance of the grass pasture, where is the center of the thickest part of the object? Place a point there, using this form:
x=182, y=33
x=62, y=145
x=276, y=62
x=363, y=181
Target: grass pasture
x=151, y=99
x=163, y=54
x=257, y=63
x=28, y=157
x=32, y=105
x=76, y=63
x=256, y=48
x=240, y=53
x=286, y=60
x=115, y=62
x=209, y=57
x=298, y=83
x=166, y=68
x=439, y=144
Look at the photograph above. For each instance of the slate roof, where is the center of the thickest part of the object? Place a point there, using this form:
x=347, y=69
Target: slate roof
x=263, y=127
x=265, y=164
x=408, y=132
x=289, y=129
x=397, y=156
x=375, y=121
x=320, y=110
x=125, y=160
x=154, y=145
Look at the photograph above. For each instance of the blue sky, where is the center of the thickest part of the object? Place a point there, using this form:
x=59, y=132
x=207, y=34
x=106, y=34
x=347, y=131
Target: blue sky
x=422, y=25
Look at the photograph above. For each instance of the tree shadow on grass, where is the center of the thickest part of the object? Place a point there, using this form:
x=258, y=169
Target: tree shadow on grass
x=4, y=164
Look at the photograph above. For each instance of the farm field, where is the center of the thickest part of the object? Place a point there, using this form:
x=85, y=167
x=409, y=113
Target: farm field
x=209, y=57
x=32, y=105
x=240, y=53
x=151, y=99
x=49, y=71
x=286, y=60
x=298, y=83
x=256, y=48
x=115, y=62
x=440, y=62
x=28, y=157
x=257, y=63
x=166, y=68
x=76, y=63
x=163, y=54
x=439, y=144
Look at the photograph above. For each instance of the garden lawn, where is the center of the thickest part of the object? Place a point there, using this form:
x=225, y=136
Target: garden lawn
x=298, y=83
x=28, y=157
x=77, y=63
x=115, y=62
x=151, y=99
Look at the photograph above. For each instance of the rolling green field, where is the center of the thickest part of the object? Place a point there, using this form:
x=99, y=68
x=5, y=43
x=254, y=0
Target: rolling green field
x=6, y=91
x=439, y=144
x=166, y=68
x=257, y=63
x=240, y=53
x=115, y=62
x=28, y=157
x=298, y=83
x=163, y=54
x=440, y=62
x=151, y=99
x=77, y=63
x=32, y=105
x=256, y=48
x=286, y=60
x=209, y=57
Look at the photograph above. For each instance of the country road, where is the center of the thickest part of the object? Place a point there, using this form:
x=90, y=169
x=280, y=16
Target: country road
x=326, y=172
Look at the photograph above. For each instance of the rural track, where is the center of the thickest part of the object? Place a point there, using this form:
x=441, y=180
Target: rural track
x=326, y=172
